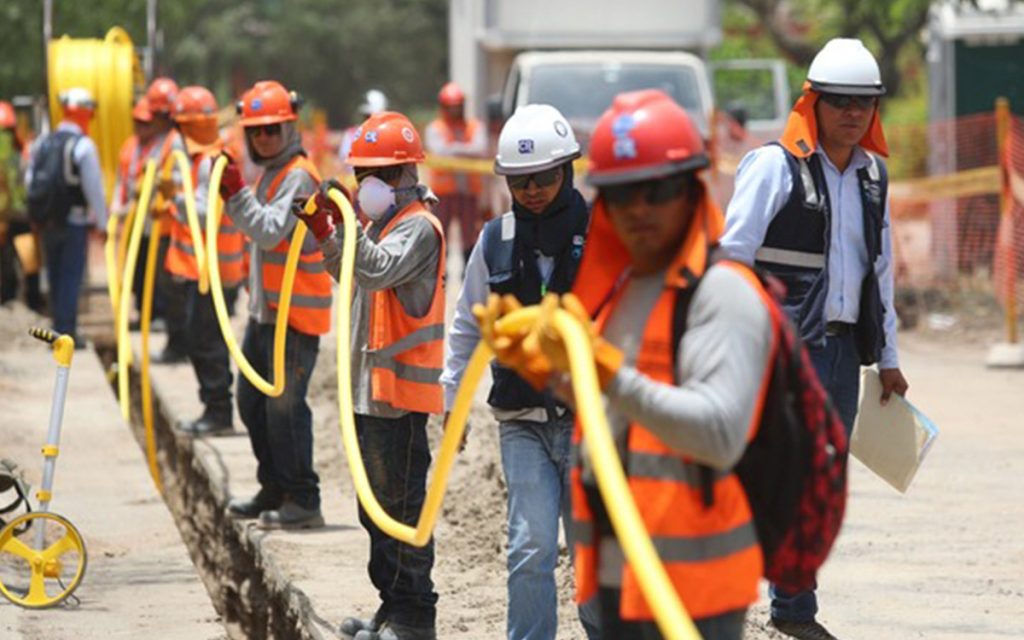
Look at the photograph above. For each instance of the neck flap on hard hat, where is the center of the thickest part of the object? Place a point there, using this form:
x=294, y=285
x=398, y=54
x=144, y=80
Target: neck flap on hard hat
x=801, y=134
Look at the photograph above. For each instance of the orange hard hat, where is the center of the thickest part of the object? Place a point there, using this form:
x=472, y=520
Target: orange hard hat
x=195, y=104
x=7, y=118
x=385, y=139
x=451, y=95
x=161, y=94
x=268, y=102
x=141, y=110
x=642, y=136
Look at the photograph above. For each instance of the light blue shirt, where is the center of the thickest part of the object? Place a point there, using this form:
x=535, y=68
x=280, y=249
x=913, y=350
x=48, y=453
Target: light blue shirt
x=763, y=185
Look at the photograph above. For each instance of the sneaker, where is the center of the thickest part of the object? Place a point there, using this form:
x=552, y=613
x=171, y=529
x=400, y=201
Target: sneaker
x=392, y=631
x=248, y=508
x=807, y=630
x=291, y=516
x=350, y=627
x=208, y=424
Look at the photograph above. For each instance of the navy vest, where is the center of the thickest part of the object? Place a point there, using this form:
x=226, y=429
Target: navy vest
x=796, y=249
x=506, y=269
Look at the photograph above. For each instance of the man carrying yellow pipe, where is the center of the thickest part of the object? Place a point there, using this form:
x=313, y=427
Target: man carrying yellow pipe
x=397, y=352
x=677, y=406
x=280, y=429
x=195, y=113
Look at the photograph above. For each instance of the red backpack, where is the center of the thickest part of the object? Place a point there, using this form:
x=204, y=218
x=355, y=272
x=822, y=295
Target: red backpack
x=794, y=470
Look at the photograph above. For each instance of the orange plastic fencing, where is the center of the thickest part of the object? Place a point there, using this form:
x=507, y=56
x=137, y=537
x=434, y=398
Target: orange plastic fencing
x=1009, y=254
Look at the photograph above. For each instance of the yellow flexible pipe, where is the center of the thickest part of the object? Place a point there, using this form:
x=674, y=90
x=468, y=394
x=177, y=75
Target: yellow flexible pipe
x=110, y=257
x=185, y=168
x=213, y=214
x=122, y=241
x=144, y=322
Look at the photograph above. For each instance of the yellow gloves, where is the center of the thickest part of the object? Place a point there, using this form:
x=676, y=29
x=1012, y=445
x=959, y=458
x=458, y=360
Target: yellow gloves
x=607, y=357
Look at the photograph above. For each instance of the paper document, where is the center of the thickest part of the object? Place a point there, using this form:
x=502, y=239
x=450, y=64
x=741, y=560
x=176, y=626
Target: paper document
x=891, y=440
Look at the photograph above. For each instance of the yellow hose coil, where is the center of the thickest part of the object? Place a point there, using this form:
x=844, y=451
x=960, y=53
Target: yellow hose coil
x=146, y=382
x=213, y=214
x=669, y=612
x=185, y=168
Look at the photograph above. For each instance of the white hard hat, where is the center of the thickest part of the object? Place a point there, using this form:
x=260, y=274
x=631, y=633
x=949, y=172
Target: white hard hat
x=77, y=98
x=844, y=65
x=375, y=102
x=535, y=138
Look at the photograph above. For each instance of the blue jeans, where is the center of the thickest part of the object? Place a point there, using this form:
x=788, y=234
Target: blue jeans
x=838, y=366
x=536, y=462
x=397, y=457
x=281, y=429
x=65, y=263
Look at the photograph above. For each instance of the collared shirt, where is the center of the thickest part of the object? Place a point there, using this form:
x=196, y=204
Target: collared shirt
x=87, y=160
x=763, y=185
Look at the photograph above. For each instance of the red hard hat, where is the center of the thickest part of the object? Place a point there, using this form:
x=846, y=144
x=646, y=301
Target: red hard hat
x=141, y=110
x=161, y=95
x=385, y=139
x=195, y=104
x=7, y=117
x=268, y=102
x=642, y=136
x=451, y=95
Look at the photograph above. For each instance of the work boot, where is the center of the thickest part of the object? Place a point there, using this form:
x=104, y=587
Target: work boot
x=169, y=356
x=248, y=508
x=392, y=631
x=352, y=626
x=290, y=515
x=211, y=423
x=809, y=630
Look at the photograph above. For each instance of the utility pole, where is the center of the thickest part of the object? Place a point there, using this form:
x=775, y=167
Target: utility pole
x=150, y=63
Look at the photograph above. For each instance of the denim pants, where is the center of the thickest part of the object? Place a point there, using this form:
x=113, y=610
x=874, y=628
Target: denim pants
x=535, y=457
x=65, y=263
x=838, y=366
x=397, y=457
x=281, y=429
x=207, y=352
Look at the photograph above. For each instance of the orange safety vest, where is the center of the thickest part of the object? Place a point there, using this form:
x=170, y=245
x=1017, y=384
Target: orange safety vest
x=445, y=183
x=407, y=352
x=181, y=254
x=311, y=294
x=711, y=554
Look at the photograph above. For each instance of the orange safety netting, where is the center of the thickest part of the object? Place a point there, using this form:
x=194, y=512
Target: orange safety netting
x=1009, y=255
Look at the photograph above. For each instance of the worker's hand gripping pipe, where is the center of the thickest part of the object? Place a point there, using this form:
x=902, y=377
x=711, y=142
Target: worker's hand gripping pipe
x=213, y=214
x=669, y=612
x=196, y=231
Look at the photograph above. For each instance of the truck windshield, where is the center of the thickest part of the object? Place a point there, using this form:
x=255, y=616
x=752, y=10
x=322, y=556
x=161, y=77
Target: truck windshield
x=583, y=91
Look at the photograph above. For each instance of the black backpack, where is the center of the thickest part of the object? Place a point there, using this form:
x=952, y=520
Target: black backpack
x=56, y=184
x=794, y=470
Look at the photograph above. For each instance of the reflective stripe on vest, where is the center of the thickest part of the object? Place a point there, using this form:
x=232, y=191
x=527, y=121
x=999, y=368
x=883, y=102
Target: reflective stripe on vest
x=446, y=182
x=407, y=353
x=311, y=292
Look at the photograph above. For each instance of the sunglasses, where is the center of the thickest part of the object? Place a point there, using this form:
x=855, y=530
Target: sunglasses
x=657, y=191
x=267, y=130
x=843, y=101
x=541, y=179
x=387, y=174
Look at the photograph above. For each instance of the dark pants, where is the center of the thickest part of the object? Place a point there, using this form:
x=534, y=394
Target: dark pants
x=173, y=293
x=10, y=266
x=838, y=366
x=139, y=280
x=281, y=429
x=397, y=456
x=727, y=626
x=208, y=353
x=65, y=263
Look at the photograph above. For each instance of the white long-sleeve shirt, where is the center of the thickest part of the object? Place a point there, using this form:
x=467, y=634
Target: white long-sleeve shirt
x=763, y=185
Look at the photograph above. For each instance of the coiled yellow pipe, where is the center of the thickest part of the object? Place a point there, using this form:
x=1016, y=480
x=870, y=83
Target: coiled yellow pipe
x=213, y=214
x=668, y=609
x=185, y=169
x=153, y=251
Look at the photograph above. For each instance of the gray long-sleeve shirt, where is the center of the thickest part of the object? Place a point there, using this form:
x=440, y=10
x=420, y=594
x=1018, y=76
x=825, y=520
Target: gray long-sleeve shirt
x=406, y=260
x=267, y=224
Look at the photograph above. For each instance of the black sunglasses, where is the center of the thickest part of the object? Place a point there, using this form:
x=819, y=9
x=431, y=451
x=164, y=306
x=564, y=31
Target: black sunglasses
x=657, y=191
x=541, y=179
x=387, y=174
x=267, y=129
x=844, y=101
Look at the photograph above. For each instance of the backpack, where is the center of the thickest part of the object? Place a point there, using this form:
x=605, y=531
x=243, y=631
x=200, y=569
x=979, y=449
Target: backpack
x=55, y=186
x=794, y=470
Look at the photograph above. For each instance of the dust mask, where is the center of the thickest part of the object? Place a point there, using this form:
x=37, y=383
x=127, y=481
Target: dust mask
x=376, y=197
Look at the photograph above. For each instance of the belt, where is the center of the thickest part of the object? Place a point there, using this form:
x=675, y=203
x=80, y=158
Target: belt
x=838, y=328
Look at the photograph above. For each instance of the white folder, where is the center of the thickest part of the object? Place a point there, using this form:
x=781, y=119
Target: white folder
x=891, y=440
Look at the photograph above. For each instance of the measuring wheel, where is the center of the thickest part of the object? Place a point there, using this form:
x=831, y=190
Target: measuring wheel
x=42, y=560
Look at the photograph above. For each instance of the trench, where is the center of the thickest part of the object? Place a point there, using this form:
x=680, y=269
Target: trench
x=253, y=599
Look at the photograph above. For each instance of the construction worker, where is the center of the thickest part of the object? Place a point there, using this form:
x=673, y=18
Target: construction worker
x=280, y=429
x=17, y=242
x=534, y=248
x=398, y=309
x=812, y=210
x=66, y=162
x=195, y=114
x=168, y=295
x=452, y=134
x=675, y=408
